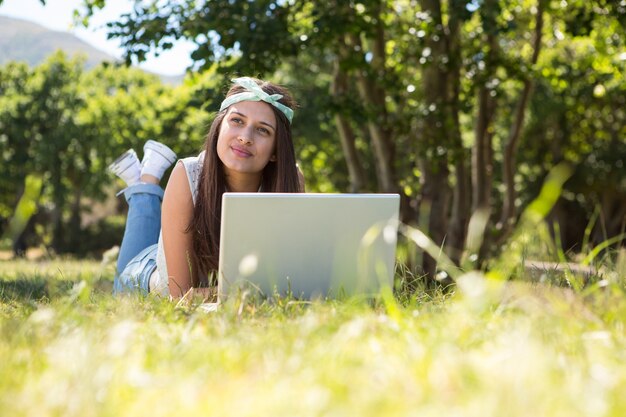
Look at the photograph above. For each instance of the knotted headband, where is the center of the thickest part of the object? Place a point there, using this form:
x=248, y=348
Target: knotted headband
x=255, y=93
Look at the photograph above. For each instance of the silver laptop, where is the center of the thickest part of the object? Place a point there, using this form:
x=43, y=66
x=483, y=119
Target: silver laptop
x=307, y=245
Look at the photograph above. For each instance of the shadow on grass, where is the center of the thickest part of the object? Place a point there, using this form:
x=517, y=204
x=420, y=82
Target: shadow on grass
x=24, y=290
x=33, y=289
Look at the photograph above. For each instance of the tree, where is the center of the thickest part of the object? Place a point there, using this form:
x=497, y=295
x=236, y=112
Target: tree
x=451, y=103
x=40, y=127
x=65, y=126
x=14, y=127
x=461, y=58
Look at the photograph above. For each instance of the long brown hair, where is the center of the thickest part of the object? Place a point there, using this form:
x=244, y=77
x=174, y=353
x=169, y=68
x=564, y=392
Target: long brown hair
x=278, y=176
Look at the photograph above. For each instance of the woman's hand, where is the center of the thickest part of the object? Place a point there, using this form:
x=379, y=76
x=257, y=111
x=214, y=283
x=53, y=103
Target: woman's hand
x=197, y=295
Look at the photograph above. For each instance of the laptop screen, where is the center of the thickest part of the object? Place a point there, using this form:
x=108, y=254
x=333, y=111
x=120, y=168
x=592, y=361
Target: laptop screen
x=307, y=245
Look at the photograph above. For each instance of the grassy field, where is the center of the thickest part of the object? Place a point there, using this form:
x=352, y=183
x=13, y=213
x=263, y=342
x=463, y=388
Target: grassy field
x=489, y=348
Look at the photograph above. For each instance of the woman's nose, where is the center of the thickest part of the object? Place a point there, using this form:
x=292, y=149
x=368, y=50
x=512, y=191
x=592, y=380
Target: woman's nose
x=245, y=135
x=244, y=139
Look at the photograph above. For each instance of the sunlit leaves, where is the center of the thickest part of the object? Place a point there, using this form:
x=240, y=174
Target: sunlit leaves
x=66, y=125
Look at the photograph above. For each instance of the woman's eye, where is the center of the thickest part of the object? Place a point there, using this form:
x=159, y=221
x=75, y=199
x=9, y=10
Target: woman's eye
x=236, y=120
x=264, y=131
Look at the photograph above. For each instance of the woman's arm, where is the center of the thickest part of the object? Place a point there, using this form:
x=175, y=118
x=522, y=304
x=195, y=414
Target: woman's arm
x=176, y=214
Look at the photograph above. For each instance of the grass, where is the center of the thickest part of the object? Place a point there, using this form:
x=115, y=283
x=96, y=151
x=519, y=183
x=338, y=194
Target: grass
x=487, y=348
x=507, y=342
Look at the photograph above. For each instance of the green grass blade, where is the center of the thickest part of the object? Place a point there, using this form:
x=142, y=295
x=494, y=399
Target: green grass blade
x=605, y=244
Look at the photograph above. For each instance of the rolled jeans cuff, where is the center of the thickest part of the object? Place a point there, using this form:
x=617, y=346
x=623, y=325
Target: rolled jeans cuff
x=142, y=188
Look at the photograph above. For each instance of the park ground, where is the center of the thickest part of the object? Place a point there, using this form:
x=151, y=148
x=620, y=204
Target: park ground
x=485, y=348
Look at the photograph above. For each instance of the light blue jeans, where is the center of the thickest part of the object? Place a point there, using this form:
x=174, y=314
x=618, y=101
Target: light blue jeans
x=137, y=258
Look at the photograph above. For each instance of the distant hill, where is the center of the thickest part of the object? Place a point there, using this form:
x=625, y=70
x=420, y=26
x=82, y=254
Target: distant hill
x=29, y=42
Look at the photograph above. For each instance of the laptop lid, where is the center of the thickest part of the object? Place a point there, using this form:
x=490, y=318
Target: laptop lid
x=308, y=245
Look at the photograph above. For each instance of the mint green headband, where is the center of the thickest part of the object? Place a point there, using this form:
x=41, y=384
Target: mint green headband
x=255, y=93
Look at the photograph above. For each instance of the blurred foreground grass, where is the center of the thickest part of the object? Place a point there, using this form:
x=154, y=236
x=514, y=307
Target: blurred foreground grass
x=491, y=348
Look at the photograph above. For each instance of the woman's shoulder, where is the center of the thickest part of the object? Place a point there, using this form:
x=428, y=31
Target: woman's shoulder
x=193, y=160
x=193, y=168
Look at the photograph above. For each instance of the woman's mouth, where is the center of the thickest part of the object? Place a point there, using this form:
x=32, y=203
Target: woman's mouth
x=240, y=152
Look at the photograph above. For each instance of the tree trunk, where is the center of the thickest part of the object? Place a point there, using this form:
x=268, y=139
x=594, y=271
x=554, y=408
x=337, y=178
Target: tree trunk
x=461, y=194
x=58, y=198
x=339, y=89
x=482, y=156
x=435, y=205
x=373, y=97
x=436, y=135
x=459, y=218
x=355, y=169
x=510, y=149
x=482, y=170
x=74, y=234
x=482, y=151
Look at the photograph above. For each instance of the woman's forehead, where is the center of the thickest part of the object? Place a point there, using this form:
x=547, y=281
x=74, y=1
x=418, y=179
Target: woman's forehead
x=255, y=110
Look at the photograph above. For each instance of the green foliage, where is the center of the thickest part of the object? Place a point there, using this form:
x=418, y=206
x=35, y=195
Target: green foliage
x=40, y=125
x=65, y=125
x=14, y=98
x=393, y=55
x=582, y=123
x=101, y=235
x=222, y=30
x=26, y=207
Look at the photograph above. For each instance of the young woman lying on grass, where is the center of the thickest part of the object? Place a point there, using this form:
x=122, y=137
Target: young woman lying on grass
x=172, y=247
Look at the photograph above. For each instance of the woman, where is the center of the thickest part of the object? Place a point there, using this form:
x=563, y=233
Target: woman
x=249, y=148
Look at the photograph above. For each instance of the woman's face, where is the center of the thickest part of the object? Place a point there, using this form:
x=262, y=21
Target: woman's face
x=247, y=138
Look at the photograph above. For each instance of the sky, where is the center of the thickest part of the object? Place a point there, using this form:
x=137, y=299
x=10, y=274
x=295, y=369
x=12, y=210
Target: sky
x=57, y=15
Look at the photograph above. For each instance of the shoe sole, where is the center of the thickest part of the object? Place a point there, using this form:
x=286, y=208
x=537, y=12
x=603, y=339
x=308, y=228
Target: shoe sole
x=161, y=149
x=117, y=167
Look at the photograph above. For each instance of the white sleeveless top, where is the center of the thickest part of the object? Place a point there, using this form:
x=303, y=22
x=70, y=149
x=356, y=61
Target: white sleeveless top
x=159, y=278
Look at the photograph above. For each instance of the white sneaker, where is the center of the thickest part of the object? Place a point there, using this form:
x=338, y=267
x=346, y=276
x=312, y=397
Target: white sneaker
x=156, y=159
x=127, y=167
